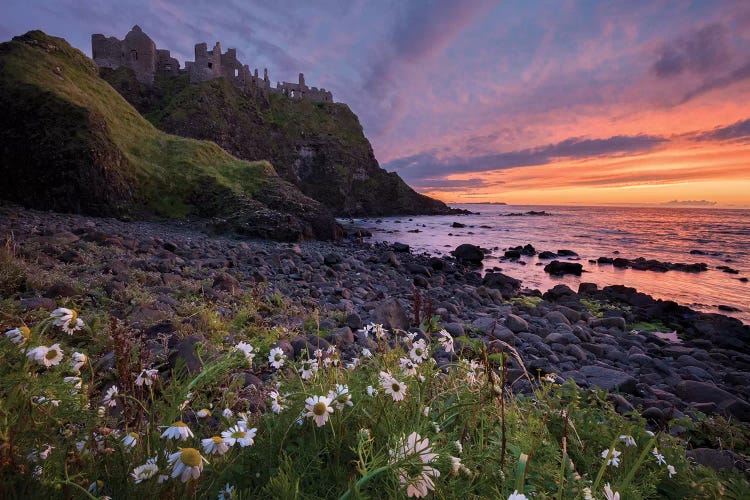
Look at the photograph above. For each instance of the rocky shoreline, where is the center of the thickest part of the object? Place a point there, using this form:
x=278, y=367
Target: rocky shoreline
x=598, y=337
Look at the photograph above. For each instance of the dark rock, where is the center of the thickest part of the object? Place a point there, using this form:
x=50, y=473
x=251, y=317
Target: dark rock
x=609, y=379
x=331, y=259
x=458, y=225
x=587, y=288
x=34, y=303
x=418, y=269
x=227, y=283
x=354, y=322
x=252, y=380
x=559, y=268
x=512, y=254
x=546, y=255
x=70, y=257
x=566, y=253
x=468, y=253
x=516, y=323
x=499, y=281
x=400, y=247
x=61, y=289
x=391, y=315
x=184, y=352
x=605, y=260
x=613, y=322
x=720, y=460
x=653, y=414
x=724, y=307
x=557, y=292
x=706, y=392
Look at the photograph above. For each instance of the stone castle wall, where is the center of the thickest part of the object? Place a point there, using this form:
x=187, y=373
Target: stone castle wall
x=139, y=53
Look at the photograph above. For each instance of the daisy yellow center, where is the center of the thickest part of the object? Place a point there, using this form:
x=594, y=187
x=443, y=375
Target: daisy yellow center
x=73, y=316
x=180, y=424
x=418, y=351
x=396, y=387
x=190, y=457
x=24, y=331
x=277, y=357
x=238, y=434
x=319, y=409
x=133, y=435
x=217, y=439
x=51, y=354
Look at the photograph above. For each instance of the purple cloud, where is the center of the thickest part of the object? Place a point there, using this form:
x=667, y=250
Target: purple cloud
x=702, y=51
x=424, y=167
x=736, y=131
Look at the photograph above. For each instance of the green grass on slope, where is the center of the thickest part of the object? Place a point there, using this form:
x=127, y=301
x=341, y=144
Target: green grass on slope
x=169, y=168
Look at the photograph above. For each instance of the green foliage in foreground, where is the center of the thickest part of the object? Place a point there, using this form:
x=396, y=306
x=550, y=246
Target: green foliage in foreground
x=455, y=429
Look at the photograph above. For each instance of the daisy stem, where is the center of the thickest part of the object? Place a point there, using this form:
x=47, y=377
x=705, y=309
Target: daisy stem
x=356, y=486
x=604, y=464
x=638, y=463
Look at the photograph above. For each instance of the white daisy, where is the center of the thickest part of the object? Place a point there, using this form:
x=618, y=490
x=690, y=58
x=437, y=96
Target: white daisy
x=611, y=456
x=392, y=387
x=446, y=340
x=609, y=494
x=110, y=397
x=47, y=356
x=318, y=353
x=19, y=335
x=277, y=402
x=147, y=377
x=418, y=484
x=354, y=364
x=517, y=496
x=214, y=445
x=331, y=350
x=78, y=359
x=628, y=440
x=419, y=352
x=76, y=381
x=67, y=320
x=407, y=366
x=411, y=336
x=318, y=407
x=227, y=413
x=227, y=493
x=308, y=369
x=366, y=353
x=187, y=463
x=247, y=350
x=371, y=391
x=144, y=472
x=658, y=456
x=378, y=330
x=239, y=434
x=671, y=470
x=276, y=357
x=130, y=440
x=178, y=431
x=340, y=397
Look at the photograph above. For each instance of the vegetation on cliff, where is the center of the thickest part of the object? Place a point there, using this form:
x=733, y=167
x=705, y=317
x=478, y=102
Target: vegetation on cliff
x=320, y=147
x=70, y=142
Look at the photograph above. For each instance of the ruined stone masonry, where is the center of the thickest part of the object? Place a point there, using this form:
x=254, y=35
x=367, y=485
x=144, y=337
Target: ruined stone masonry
x=139, y=53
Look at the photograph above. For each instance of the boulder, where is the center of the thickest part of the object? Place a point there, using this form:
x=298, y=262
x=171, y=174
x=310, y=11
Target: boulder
x=516, y=323
x=609, y=379
x=499, y=281
x=468, y=253
x=227, y=283
x=559, y=268
x=613, y=322
x=391, y=315
x=720, y=460
x=546, y=255
x=184, y=352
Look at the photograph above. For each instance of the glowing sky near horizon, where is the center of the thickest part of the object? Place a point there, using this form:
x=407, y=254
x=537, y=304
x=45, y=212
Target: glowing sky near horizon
x=524, y=102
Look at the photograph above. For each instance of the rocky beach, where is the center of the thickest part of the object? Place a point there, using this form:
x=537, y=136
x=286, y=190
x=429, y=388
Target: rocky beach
x=664, y=359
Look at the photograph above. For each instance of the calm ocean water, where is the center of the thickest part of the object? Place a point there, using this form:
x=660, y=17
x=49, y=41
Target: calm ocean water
x=665, y=234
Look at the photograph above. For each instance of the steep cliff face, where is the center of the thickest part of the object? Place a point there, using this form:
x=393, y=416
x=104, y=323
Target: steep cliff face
x=320, y=147
x=70, y=142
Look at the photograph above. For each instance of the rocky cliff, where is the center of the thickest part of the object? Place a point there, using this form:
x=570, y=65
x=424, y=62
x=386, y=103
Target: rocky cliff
x=70, y=142
x=319, y=147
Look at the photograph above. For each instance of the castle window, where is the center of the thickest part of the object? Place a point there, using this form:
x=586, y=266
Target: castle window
x=236, y=72
x=168, y=67
x=133, y=55
x=210, y=65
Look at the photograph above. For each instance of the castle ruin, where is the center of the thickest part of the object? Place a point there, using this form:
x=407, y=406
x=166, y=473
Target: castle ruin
x=138, y=52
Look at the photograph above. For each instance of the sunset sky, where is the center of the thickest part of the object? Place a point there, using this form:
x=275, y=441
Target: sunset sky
x=523, y=102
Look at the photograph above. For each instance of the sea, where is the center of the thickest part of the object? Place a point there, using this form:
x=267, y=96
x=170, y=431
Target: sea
x=661, y=233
